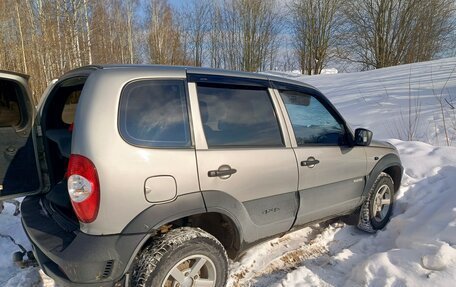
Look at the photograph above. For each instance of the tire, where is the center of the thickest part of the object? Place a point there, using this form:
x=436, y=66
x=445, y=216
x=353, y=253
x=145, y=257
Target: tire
x=376, y=211
x=190, y=254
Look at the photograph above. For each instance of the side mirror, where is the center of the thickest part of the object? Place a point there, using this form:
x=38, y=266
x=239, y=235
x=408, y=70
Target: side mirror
x=363, y=137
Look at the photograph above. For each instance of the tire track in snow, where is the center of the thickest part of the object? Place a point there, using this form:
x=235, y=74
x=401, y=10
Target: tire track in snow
x=269, y=262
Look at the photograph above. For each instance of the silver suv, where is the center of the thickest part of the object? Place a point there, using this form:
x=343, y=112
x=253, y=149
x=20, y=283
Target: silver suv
x=154, y=175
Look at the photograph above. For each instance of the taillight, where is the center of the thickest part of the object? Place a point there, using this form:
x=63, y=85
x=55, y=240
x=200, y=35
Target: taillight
x=83, y=187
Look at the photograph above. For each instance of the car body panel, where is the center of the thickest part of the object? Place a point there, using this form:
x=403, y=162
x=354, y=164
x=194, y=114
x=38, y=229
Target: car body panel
x=123, y=168
x=332, y=186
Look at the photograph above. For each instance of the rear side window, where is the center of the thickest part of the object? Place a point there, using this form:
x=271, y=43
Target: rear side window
x=153, y=113
x=238, y=117
x=69, y=109
x=10, y=114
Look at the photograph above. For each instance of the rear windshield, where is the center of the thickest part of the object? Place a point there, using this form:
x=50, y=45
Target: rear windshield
x=153, y=113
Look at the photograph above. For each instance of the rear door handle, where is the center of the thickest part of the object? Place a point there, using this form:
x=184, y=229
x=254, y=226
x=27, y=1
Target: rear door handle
x=224, y=172
x=310, y=162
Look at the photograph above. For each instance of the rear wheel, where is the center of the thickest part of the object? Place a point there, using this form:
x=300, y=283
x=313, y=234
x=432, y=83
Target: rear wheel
x=184, y=257
x=376, y=210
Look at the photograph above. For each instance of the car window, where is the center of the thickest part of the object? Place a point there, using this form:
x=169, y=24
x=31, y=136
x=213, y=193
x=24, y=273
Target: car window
x=10, y=114
x=154, y=113
x=238, y=117
x=69, y=109
x=312, y=122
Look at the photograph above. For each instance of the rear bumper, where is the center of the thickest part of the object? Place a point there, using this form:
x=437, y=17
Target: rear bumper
x=73, y=258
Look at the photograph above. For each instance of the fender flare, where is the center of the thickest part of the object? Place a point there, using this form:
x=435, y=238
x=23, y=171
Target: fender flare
x=150, y=219
x=222, y=202
x=385, y=162
x=158, y=214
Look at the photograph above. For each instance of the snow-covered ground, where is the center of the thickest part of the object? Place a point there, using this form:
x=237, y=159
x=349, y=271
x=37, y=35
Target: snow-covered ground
x=418, y=246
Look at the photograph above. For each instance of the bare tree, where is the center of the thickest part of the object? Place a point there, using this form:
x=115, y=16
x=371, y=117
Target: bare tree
x=87, y=27
x=164, y=35
x=390, y=32
x=251, y=30
x=194, y=23
x=21, y=35
x=130, y=6
x=314, y=25
x=46, y=38
x=216, y=36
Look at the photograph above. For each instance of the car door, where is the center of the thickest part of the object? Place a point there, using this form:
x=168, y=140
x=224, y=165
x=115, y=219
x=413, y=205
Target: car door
x=331, y=170
x=19, y=173
x=245, y=163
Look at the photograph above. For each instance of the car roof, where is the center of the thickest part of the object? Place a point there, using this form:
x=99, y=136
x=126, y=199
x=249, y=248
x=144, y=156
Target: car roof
x=191, y=70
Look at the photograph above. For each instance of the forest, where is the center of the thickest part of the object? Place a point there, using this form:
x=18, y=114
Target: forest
x=46, y=38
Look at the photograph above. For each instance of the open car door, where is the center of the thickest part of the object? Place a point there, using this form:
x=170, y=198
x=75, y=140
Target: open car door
x=19, y=172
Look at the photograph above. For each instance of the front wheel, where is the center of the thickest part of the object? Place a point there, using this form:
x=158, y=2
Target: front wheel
x=184, y=257
x=376, y=210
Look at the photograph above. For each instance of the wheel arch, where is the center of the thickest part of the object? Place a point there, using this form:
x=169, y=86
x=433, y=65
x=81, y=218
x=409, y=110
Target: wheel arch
x=390, y=164
x=395, y=172
x=188, y=210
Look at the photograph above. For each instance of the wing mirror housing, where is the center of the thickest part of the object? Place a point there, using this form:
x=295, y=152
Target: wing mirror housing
x=363, y=137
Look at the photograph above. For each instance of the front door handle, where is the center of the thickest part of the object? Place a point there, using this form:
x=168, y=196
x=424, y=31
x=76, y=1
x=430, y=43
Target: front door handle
x=224, y=172
x=310, y=162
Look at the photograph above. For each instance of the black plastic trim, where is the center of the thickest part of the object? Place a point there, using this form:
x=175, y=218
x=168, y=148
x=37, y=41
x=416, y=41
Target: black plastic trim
x=159, y=214
x=75, y=258
x=385, y=162
x=227, y=80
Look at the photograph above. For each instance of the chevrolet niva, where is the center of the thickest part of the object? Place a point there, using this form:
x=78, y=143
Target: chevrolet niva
x=143, y=175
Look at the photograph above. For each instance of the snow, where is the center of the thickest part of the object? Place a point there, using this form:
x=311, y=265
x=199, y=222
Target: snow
x=329, y=71
x=10, y=275
x=418, y=246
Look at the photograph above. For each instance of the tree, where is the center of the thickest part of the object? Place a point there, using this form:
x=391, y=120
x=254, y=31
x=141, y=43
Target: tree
x=250, y=29
x=314, y=25
x=195, y=25
x=391, y=32
x=216, y=36
x=164, y=41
